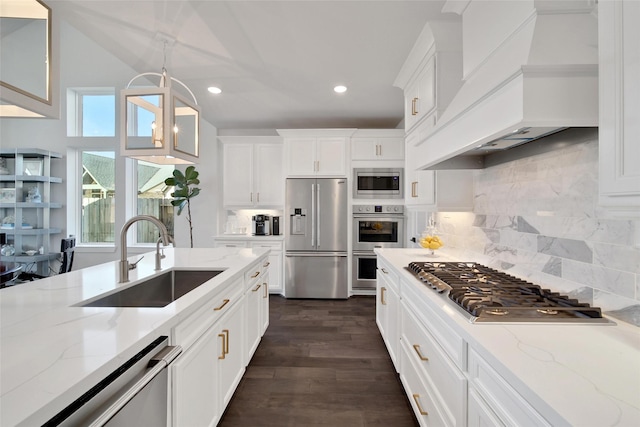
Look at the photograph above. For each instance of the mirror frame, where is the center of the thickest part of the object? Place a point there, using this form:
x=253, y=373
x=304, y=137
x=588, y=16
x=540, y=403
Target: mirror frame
x=32, y=104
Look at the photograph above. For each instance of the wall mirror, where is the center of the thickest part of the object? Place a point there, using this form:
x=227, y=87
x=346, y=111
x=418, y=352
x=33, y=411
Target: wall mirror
x=25, y=48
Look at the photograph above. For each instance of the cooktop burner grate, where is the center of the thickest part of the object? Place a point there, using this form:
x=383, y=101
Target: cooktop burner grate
x=489, y=295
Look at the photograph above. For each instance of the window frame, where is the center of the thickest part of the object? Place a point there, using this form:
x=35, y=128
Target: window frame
x=75, y=110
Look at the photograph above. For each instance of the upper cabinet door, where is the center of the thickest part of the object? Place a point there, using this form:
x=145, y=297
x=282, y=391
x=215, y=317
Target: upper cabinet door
x=377, y=148
x=316, y=156
x=331, y=156
x=619, y=133
x=301, y=156
x=269, y=176
x=238, y=174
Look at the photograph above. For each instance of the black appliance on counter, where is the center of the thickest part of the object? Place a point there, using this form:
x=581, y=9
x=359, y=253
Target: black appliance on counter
x=275, y=225
x=487, y=295
x=260, y=225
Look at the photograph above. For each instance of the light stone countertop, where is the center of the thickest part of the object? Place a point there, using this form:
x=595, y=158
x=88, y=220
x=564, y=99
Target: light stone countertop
x=573, y=374
x=52, y=351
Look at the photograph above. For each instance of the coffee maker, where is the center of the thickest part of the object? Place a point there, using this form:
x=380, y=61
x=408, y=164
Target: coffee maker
x=260, y=225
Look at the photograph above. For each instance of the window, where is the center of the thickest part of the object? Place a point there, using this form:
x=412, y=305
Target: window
x=154, y=198
x=91, y=112
x=98, y=197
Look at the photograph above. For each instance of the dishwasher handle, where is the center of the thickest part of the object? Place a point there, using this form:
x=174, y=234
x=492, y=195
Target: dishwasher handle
x=158, y=363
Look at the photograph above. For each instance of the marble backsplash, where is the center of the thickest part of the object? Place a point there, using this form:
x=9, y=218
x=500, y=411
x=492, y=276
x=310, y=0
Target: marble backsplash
x=538, y=218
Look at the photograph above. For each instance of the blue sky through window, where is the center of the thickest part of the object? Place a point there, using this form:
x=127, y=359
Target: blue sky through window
x=98, y=115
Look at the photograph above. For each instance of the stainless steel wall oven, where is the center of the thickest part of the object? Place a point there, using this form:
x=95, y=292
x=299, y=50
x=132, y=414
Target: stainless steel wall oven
x=374, y=226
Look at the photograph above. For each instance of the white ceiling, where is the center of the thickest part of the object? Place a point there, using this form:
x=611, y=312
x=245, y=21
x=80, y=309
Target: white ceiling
x=276, y=61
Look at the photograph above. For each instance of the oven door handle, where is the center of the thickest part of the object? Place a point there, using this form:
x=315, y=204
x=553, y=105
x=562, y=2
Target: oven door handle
x=371, y=217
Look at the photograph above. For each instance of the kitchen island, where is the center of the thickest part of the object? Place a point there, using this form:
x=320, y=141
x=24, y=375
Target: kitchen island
x=53, y=350
x=458, y=373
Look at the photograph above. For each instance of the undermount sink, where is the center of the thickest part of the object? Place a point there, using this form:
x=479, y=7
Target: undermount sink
x=157, y=291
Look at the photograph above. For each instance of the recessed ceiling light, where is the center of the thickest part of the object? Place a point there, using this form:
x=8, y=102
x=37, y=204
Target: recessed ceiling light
x=214, y=89
x=340, y=89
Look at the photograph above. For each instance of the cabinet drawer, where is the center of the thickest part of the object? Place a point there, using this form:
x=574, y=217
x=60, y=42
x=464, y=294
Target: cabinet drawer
x=508, y=405
x=452, y=343
x=254, y=273
x=230, y=244
x=449, y=384
x=190, y=329
x=419, y=394
x=275, y=246
x=388, y=273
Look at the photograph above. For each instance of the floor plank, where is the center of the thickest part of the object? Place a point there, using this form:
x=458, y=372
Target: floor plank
x=320, y=363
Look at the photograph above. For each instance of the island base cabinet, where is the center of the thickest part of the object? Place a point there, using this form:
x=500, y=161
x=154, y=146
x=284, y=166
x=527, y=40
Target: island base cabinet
x=508, y=405
x=207, y=374
x=195, y=384
x=419, y=394
x=480, y=415
x=387, y=311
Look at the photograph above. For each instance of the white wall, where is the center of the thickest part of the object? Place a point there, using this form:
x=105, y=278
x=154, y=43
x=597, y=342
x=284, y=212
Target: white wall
x=85, y=64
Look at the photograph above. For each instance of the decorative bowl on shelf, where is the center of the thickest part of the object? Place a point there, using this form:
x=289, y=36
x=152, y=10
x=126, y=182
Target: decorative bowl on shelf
x=31, y=252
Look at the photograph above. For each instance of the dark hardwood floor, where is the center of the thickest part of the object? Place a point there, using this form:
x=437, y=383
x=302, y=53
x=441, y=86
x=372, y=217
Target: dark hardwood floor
x=320, y=363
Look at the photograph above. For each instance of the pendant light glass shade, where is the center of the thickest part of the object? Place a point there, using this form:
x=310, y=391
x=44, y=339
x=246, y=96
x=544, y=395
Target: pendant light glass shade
x=158, y=125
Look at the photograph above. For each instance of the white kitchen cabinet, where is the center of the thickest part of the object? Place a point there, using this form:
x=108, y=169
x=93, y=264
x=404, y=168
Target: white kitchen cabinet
x=372, y=148
x=316, y=156
x=619, y=90
x=198, y=384
x=252, y=173
x=499, y=397
x=387, y=309
x=231, y=351
x=443, y=190
x=276, y=262
x=420, y=94
x=480, y=415
x=215, y=339
x=257, y=282
x=276, y=255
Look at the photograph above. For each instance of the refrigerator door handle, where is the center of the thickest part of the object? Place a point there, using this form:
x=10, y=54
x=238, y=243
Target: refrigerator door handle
x=313, y=216
x=318, y=214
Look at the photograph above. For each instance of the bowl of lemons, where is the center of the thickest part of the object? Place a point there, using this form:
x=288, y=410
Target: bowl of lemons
x=431, y=242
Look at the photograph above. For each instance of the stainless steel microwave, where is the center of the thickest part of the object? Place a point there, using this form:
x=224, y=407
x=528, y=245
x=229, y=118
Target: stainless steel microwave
x=378, y=183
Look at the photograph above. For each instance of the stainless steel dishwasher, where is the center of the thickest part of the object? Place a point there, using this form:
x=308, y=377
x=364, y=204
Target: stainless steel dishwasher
x=135, y=394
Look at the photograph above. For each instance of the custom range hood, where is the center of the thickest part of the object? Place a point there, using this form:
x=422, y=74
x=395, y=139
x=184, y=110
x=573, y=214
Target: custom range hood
x=540, y=79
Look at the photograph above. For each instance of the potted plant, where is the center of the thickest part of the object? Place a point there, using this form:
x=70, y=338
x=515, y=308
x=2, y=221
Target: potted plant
x=184, y=191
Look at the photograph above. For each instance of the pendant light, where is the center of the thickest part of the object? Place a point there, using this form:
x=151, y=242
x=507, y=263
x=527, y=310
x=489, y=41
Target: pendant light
x=159, y=125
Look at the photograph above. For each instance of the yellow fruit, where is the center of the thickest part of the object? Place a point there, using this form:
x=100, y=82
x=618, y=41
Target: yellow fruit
x=434, y=245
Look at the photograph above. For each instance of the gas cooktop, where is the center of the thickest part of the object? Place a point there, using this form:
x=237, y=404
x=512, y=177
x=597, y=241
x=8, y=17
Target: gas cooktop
x=488, y=295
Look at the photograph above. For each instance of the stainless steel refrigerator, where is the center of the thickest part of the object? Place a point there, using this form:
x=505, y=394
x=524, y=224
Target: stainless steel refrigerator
x=316, y=238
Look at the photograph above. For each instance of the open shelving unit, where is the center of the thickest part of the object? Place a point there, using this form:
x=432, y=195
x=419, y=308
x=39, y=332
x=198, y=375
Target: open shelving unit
x=26, y=220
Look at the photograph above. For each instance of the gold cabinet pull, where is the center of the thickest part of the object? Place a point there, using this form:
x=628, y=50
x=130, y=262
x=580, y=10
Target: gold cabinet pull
x=414, y=110
x=416, y=398
x=414, y=189
x=382, y=291
x=256, y=288
x=223, y=346
x=251, y=197
x=256, y=274
x=226, y=341
x=416, y=347
x=266, y=290
x=267, y=264
x=224, y=302
x=258, y=197
x=384, y=271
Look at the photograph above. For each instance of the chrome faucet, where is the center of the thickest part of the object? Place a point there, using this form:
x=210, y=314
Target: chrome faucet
x=125, y=266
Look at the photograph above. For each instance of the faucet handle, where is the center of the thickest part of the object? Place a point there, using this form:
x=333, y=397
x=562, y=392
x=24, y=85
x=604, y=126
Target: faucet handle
x=135, y=264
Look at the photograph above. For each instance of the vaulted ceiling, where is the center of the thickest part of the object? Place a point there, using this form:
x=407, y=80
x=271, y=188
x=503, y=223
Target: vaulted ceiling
x=275, y=61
